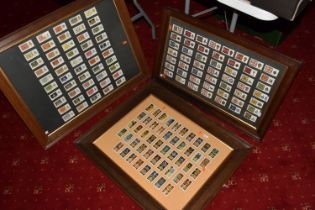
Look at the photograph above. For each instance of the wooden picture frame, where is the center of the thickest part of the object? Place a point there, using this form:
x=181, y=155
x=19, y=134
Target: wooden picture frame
x=81, y=20
x=88, y=144
x=238, y=81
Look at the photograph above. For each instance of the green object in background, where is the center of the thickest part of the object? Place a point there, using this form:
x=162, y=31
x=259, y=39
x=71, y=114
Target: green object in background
x=272, y=32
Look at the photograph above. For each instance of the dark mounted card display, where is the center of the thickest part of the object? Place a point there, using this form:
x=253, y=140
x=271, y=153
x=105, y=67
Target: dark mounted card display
x=236, y=80
x=66, y=66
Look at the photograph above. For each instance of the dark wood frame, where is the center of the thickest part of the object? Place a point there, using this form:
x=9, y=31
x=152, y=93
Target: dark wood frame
x=213, y=184
x=20, y=106
x=291, y=64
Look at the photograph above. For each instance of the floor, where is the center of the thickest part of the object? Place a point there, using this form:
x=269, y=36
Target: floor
x=279, y=174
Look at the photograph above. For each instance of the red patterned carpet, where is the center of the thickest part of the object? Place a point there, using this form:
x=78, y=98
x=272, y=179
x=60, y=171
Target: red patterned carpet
x=279, y=174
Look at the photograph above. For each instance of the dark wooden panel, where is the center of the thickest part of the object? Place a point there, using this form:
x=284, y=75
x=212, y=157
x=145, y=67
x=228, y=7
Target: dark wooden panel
x=212, y=185
x=240, y=82
x=65, y=67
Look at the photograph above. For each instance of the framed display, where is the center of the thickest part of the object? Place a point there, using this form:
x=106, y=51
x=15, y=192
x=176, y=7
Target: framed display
x=65, y=67
x=234, y=79
x=159, y=149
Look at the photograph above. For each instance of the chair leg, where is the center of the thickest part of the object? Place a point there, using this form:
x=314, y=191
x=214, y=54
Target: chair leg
x=145, y=16
x=187, y=7
x=233, y=22
x=204, y=11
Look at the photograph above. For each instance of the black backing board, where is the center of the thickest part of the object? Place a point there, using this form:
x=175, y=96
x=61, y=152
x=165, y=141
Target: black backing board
x=27, y=85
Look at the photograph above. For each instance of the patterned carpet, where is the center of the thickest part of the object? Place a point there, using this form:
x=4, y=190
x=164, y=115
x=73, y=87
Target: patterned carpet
x=279, y=174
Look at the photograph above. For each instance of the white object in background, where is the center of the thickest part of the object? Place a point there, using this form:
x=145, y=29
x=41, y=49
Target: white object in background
x=245, y=7
x=240, y=5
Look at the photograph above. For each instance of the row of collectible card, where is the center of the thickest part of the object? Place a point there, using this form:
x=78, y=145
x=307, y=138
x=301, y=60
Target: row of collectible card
x=164, y=151
x=225, y=76
x=74, y=62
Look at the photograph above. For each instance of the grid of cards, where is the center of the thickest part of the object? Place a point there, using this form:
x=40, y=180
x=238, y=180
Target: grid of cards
x=74, y=62
x=230, y=79
x=165, y=152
